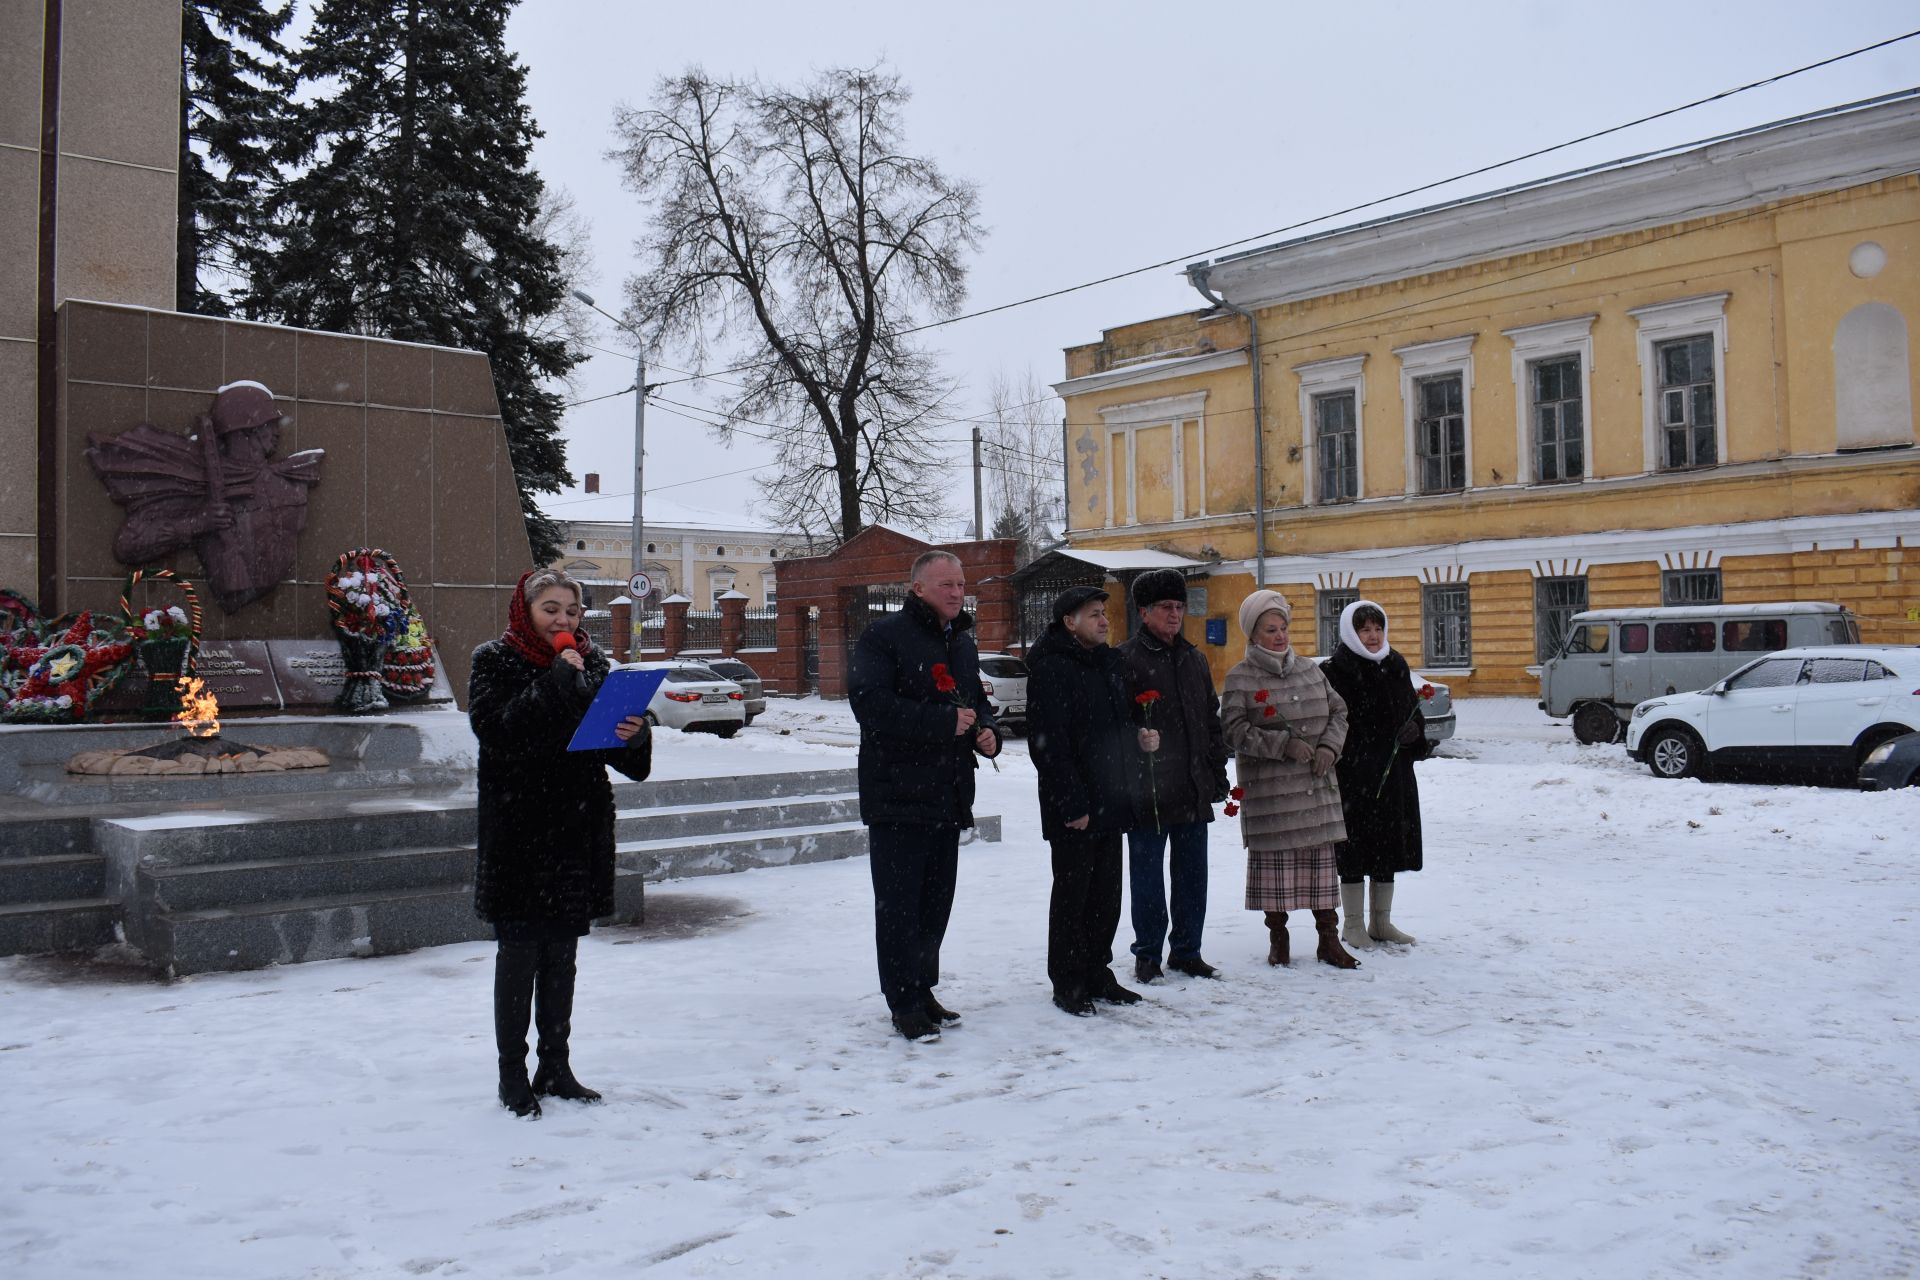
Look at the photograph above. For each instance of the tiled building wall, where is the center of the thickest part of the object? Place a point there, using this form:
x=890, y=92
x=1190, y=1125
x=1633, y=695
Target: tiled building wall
x=416, y=463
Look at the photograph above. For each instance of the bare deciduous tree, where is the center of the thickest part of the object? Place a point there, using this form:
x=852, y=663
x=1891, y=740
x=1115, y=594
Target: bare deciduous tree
x=792, y=232
x=1021, y=444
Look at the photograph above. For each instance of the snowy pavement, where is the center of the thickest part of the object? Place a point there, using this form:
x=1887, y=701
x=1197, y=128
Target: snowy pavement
x=1650, y=1029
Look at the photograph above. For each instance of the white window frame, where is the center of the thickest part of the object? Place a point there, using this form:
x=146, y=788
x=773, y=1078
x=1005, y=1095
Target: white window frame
x=1331, y=377
x=1550, y=341
x=1124, y=420
x=1664, y=322
x=1436, y=360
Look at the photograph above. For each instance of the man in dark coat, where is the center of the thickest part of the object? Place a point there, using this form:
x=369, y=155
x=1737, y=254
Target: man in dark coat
x=915, y=689
x=1085, y=748
x=1182, y=781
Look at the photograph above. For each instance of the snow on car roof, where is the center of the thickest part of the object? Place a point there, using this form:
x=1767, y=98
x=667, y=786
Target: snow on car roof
x=1664, y=612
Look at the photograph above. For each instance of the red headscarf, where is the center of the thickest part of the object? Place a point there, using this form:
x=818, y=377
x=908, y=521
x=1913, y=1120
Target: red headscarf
x=520, y=635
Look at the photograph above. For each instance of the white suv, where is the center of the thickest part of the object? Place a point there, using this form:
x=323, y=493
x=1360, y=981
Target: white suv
x=1821, y=707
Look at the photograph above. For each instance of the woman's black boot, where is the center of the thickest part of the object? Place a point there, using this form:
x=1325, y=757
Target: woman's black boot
x=553, y=1017
x=514, y=965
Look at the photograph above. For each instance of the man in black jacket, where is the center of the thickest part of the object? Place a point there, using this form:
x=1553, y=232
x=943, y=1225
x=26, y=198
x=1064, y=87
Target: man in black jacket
x=915, y=689
x=1085, y=747
x=1180, y=783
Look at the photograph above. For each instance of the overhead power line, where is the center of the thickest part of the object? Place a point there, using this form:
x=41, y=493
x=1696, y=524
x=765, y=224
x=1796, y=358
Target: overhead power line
x=1534, y=154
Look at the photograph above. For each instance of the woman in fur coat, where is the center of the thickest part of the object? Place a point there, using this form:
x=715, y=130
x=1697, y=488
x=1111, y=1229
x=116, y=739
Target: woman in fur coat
x=1286, y=726
x=545, y=825
x=1386, y=733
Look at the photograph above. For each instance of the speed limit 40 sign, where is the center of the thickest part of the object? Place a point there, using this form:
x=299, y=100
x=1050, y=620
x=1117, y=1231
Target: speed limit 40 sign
x=640, y=586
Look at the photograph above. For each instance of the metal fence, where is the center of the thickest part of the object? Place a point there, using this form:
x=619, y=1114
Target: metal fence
x=653, y=631
x=762, y=629
x=703, y=630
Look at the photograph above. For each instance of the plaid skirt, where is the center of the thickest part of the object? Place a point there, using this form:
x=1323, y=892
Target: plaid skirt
x=1293, y=879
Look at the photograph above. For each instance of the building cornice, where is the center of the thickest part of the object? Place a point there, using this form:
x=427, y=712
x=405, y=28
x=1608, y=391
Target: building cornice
x=1826, y=152
x=1152, y=371
x=1466, y=506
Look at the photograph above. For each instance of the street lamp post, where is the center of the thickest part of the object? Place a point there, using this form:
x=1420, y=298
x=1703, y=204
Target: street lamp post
x=637, y=560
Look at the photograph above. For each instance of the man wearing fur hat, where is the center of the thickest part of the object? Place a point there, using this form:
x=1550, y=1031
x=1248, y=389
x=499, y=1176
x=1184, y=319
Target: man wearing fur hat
x=1180, y=783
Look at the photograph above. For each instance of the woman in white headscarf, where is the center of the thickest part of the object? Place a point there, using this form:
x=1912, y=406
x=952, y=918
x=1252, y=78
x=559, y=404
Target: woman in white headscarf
x=1286, y=726
x=1386, y=733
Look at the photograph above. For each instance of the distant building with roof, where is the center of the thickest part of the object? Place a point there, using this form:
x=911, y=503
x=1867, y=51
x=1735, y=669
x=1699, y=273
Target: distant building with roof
x=1685, y=377
x=690, y=551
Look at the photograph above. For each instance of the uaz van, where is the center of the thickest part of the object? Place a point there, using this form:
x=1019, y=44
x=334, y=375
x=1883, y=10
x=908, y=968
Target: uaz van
x=1614, y=659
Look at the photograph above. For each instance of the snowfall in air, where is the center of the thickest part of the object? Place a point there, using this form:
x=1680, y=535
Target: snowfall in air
x=1649, y=1029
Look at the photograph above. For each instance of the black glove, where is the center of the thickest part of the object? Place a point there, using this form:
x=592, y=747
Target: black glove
x=569, y=683
x=1410, y=732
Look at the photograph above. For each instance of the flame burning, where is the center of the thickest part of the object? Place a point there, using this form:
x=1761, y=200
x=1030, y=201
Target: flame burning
x=199, y=710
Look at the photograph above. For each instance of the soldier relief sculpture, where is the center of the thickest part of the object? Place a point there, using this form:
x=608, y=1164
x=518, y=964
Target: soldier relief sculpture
x=219, y=490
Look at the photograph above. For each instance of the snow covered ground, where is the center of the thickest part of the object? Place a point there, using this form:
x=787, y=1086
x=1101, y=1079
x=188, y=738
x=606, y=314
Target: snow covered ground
x=1650, y=1029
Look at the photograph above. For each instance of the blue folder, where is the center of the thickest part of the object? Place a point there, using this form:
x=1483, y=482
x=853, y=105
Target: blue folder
x=622, y=694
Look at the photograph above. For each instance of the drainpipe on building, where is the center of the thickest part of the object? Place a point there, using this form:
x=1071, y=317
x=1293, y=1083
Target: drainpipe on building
x=1197, y=274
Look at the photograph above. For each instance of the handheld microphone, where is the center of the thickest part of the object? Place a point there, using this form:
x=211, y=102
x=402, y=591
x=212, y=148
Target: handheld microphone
x=563, y=641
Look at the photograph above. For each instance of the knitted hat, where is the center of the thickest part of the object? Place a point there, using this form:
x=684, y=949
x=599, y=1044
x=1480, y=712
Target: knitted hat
x=1155, y=585
x=1260, y=602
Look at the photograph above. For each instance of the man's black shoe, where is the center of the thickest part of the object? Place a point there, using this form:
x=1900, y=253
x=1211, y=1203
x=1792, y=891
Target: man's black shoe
x=1147, y=968
x=1107, y=987
x=915, y=1025
x=1193, y=967
x=938, y=1012
x=1073, y=1001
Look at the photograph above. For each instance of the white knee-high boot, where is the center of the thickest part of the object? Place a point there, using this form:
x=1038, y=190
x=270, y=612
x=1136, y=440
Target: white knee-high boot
x=1353, y=928
x=1381, y=925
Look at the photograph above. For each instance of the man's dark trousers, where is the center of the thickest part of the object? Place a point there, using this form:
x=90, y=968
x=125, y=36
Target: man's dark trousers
x=913, y=869
x=1187, y=868
x=1085, y=909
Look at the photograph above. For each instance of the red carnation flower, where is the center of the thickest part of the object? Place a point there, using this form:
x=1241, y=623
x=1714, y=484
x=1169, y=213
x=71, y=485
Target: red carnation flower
x=1426, y=691
x=1231, y=809
x=1259, y=695
x=942, y=679
x=1238, y=793
x=1268, y=711
x=1148, y=698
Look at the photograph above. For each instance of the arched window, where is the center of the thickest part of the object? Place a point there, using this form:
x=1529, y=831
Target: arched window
x=1872, y=388
x=579, y=544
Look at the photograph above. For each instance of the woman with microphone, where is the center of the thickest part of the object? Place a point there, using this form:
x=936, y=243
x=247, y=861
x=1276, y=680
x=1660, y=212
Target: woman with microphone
x=545, y=825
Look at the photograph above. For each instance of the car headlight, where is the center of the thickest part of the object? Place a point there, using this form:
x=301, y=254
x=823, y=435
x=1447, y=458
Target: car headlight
x=1880, y=754
x=1645, y=707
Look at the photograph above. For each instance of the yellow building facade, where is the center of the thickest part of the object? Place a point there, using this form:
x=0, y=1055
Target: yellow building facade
x=1683, y=379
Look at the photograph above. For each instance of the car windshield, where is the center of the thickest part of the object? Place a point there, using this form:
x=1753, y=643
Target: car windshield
x=1006, y=668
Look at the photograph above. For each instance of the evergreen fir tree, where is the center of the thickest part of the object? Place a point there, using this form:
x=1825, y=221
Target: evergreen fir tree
x=1011, y=524
x=234, y=87
x=413, y=208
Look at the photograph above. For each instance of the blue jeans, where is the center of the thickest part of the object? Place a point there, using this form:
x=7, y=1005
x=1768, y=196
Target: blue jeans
x=1145, y=849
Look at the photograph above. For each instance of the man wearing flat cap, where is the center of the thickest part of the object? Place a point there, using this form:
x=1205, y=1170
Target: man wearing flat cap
x=1185, y=778
x=1085, y=748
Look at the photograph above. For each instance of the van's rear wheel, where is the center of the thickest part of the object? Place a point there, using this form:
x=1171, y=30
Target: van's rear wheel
x=1595, y=722
x=1674, y=753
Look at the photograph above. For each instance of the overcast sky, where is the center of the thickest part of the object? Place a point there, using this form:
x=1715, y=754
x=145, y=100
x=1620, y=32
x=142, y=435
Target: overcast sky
x=1107, y=136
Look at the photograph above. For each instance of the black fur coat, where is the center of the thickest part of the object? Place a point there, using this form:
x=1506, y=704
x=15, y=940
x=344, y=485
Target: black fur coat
x=545, y=820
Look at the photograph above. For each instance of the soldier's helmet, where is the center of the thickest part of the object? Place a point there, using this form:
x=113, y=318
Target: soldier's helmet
x=241, y=406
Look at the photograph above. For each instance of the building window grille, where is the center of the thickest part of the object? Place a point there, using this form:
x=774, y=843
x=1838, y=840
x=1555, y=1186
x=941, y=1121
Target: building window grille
x=1332, y=605
x=1336, y=437
x=1440, y=433
x=1690, y=586
x=1559, y=421
x=1449, y=631
x=1555, y=601
x=1688, y=416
